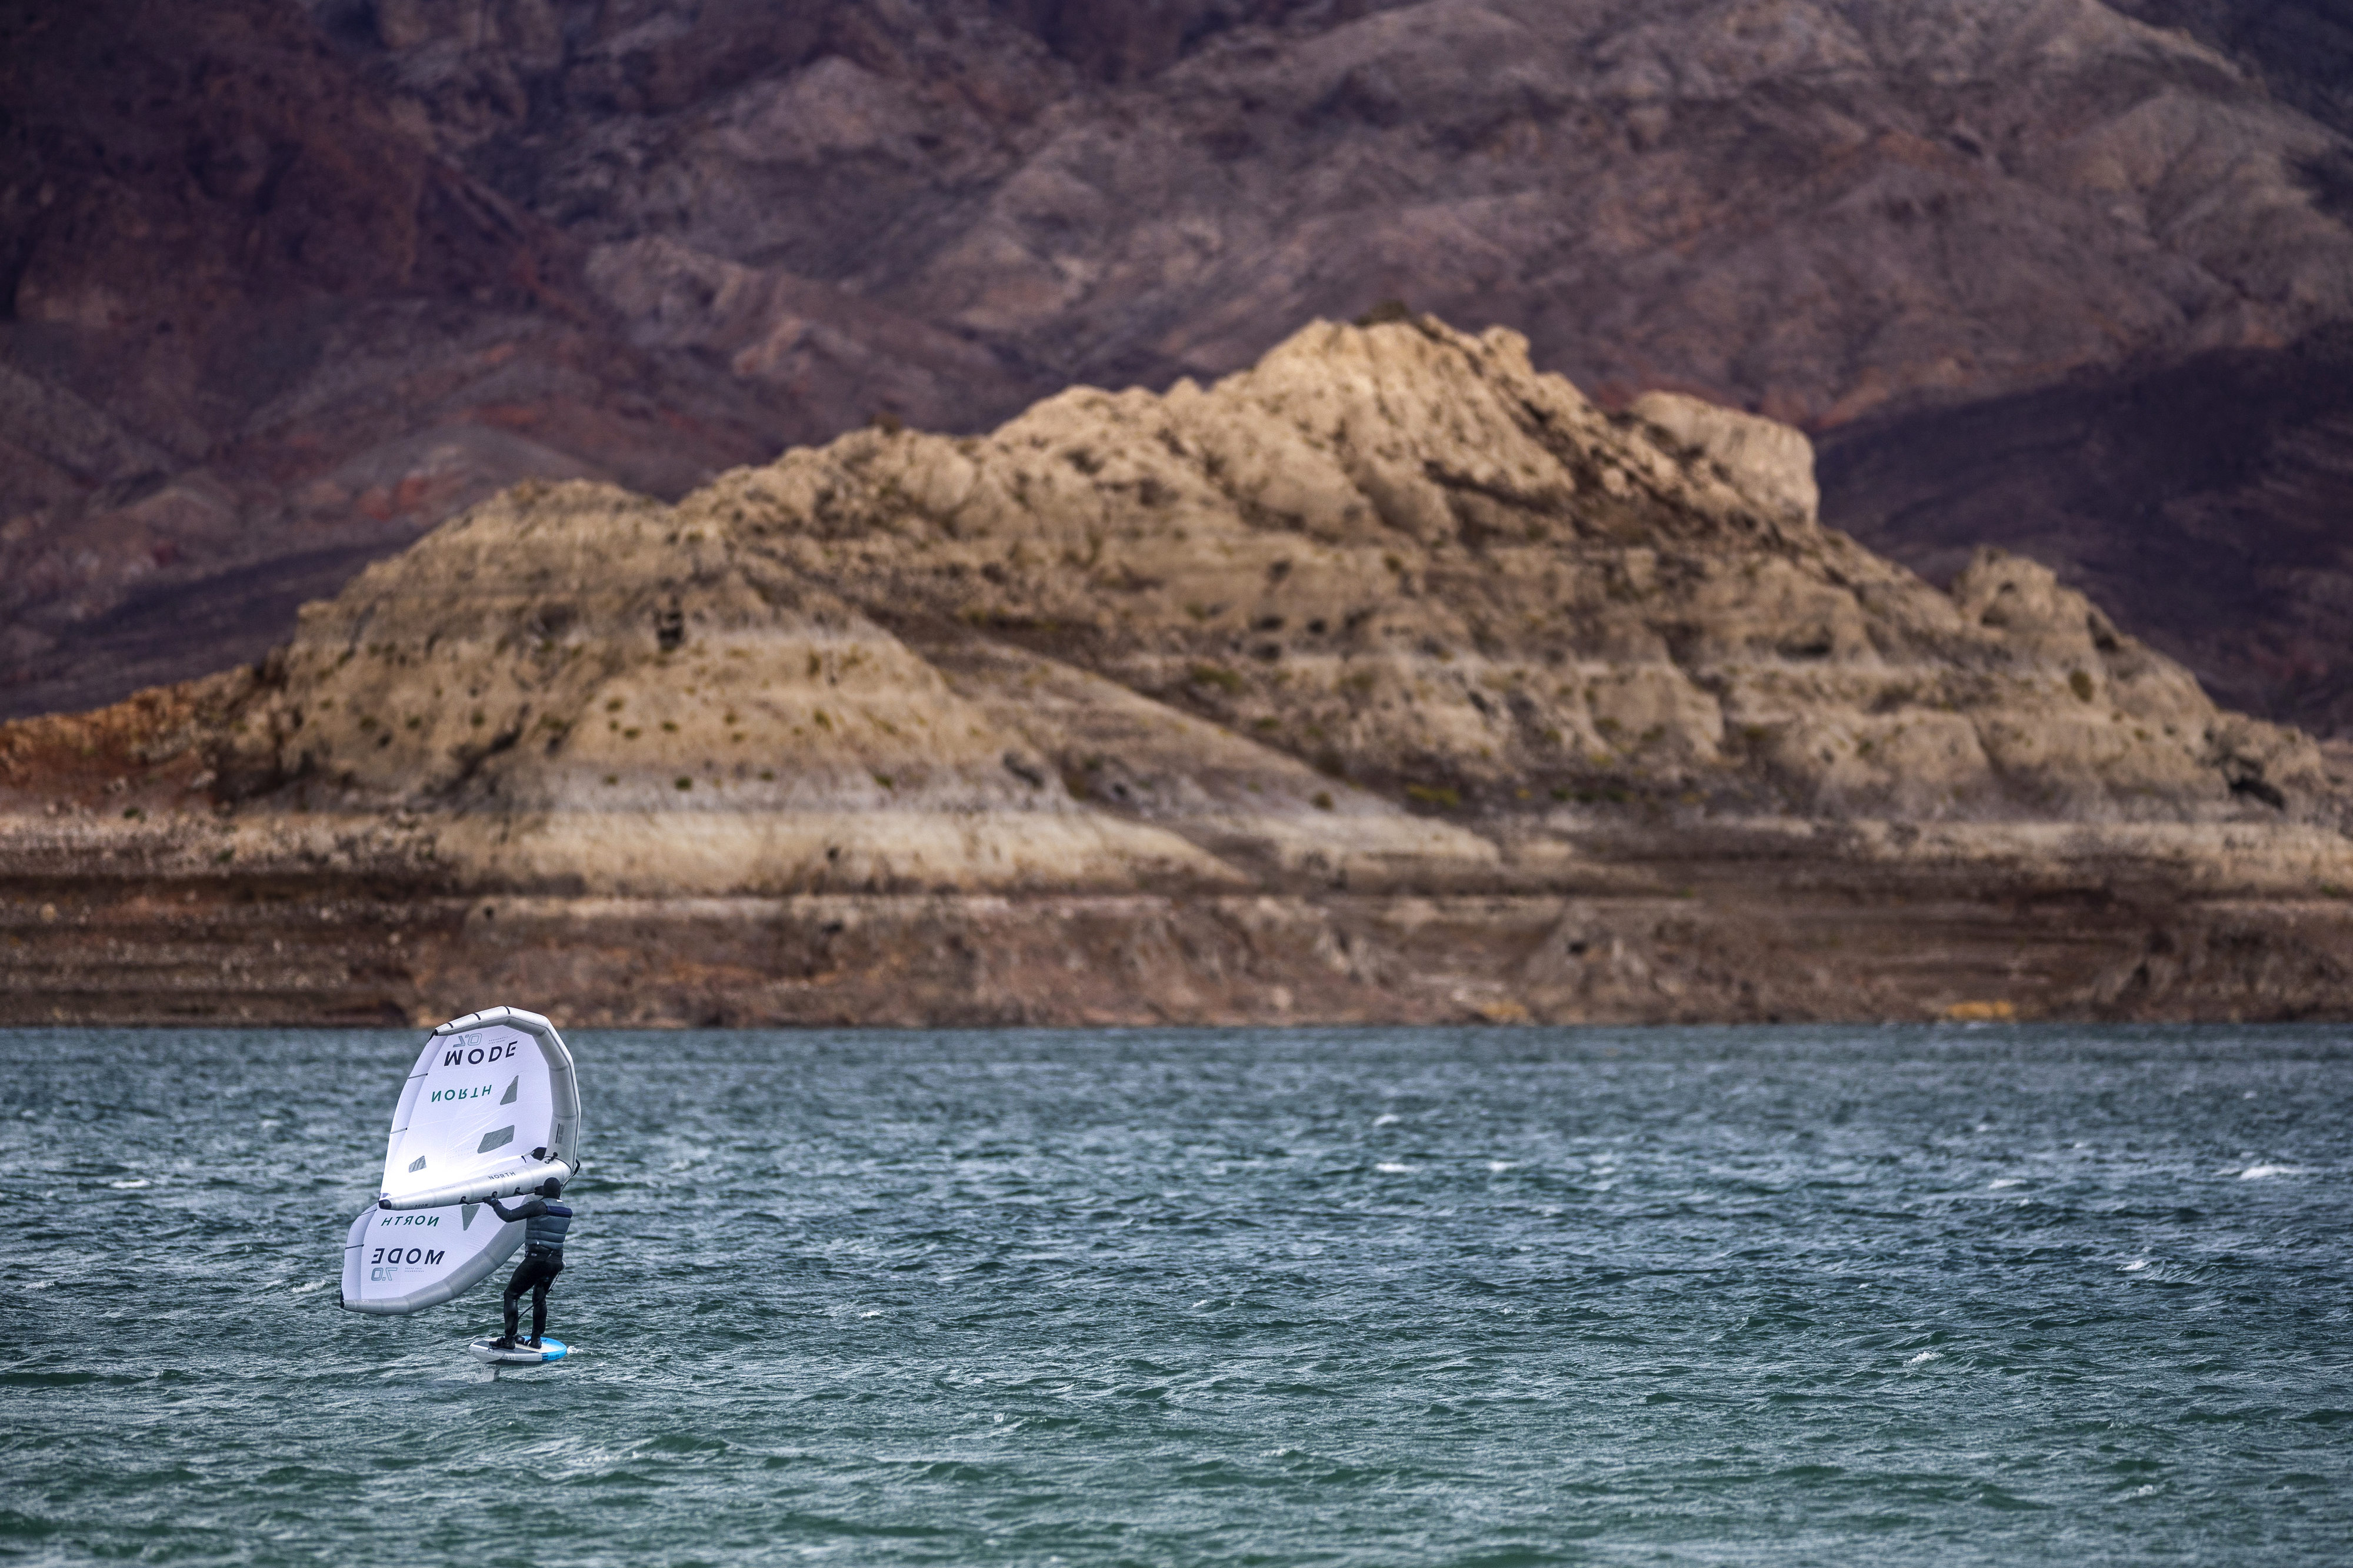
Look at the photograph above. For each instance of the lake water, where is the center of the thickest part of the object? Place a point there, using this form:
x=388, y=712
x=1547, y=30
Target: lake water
x=1380, y=1297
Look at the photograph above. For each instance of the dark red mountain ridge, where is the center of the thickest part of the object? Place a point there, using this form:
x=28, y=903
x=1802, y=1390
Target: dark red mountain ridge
x=286, y=282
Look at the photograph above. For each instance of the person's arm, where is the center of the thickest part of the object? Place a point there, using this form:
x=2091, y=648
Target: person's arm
x=531, y=1210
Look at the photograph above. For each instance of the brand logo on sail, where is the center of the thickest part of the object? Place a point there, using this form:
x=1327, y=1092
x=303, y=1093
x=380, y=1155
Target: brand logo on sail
x=467, y=1054
x=425, y=1219
x=386, y=1256
x=478, y=1091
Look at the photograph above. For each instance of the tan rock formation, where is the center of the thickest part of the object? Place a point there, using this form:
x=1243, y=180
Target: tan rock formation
x=1763, y=457
x=1401, y=553
x=1389, y=678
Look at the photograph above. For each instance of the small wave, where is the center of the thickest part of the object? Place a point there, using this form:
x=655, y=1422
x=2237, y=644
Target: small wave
x=2161, y=1271
x=1500, y=1166
x=2007, y=1181
x=130, y=1184
x=1390, y=1168
x=1387, y=1118
x=2257, y=1172
x=306, y=1290
x=872, y=1312
x=1926, y=1355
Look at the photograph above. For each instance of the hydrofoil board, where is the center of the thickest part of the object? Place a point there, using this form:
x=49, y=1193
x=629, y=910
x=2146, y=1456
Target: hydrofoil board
x=521, y=1356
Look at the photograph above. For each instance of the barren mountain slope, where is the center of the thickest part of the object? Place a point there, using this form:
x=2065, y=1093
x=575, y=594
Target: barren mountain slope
x=1403, y=553
x=1809, y=208
x=2303, y=49
x=945, y=209
x=1389, y=678
x=2211, y=496
x=252, y=333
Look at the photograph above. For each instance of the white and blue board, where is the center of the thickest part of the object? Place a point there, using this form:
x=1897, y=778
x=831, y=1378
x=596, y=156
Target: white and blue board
x=549, y=1350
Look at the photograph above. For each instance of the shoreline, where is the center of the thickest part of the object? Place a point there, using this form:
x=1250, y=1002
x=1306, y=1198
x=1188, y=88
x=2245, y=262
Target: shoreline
x=135, y=924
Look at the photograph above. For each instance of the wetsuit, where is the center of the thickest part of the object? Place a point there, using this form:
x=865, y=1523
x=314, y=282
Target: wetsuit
x=542, y=1259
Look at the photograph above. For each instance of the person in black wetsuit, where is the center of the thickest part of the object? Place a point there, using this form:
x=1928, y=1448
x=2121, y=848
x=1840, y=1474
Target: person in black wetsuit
x=543, y=1257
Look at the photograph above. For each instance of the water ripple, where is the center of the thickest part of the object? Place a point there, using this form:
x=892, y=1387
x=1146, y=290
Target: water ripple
x=1378, y=1297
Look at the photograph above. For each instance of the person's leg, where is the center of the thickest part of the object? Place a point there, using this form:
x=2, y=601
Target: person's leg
x=510, y=1302
x=539, y=1300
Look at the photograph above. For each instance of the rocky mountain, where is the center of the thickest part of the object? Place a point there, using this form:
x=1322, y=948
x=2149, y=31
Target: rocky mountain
x=253, y=334
x=1391, y=677
x=2209, y=495
x=753, y=226
x=1810, y=210
x=2302, y=53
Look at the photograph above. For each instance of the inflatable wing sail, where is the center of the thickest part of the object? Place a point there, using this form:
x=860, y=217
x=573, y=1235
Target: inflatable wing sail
x=406, y=1261
x=491, y=1109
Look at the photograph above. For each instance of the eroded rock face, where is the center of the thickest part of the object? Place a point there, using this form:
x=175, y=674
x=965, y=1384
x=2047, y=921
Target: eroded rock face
x=1389, y=678
x=254, y=333
x=2203, y=501
x=597, y=694
x=423, y=249
x=1401, y=553
x=1763, y=457
x=1809, y=208
x=1398, y=554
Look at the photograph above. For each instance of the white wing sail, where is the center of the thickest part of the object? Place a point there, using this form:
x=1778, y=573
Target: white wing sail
x=491, y=1109
x=398, y=1261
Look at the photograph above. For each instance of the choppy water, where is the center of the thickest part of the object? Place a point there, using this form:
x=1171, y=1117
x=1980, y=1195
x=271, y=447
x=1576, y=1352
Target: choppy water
x=2017, y=1296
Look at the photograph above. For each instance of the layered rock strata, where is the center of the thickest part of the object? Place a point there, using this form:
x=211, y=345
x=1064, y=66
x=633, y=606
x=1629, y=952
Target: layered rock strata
x=1389, y=678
